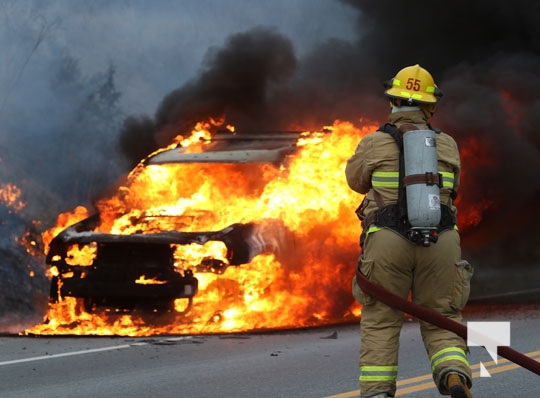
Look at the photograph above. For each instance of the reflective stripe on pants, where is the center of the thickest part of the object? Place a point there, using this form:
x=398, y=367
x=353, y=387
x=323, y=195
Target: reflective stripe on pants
x=448, y=354
x=378, y=373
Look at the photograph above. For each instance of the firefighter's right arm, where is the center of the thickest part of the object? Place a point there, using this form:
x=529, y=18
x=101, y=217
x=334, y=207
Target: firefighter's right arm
x=358, y=169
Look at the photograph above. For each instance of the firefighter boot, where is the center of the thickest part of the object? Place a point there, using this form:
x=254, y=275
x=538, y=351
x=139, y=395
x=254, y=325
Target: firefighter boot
x=457, y=387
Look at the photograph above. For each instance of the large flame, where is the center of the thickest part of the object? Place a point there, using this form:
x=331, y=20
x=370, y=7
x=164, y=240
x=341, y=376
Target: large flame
x=306, y=286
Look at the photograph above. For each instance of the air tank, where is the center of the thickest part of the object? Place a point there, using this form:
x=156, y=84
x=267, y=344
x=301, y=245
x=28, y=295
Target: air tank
x=423, y=198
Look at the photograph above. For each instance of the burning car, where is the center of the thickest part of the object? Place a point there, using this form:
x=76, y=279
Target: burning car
x=153, y=259
x=231, y=233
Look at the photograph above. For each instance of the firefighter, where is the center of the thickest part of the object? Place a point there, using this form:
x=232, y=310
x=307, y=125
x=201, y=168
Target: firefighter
x=423, y=263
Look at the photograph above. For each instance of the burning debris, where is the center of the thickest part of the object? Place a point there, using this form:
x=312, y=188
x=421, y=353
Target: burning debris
x=19, y=248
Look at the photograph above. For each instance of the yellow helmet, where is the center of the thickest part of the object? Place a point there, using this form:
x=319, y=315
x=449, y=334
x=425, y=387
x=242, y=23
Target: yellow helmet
x=413, y=84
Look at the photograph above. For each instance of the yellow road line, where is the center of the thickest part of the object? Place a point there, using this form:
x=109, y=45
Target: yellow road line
x=502, y=365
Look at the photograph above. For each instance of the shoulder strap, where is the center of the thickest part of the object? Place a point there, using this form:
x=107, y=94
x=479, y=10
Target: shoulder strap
x=402, y=198
x=394, y=132
x=435, y=129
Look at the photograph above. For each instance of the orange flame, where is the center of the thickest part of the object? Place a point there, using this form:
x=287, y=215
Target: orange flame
x=306, y=286
x=63, y=221
x=10, y=197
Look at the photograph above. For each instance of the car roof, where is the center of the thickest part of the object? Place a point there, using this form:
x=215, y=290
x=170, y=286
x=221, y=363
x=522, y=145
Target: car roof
x=226, y=147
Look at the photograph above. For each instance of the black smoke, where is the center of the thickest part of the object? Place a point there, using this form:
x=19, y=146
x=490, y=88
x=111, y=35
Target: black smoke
x=235, y=81
x=484, y=57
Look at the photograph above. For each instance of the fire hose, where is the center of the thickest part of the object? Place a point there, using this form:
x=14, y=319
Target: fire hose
x=425, y=314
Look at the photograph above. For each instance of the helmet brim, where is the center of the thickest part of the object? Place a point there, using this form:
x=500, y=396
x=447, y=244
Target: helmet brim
x=425, y=98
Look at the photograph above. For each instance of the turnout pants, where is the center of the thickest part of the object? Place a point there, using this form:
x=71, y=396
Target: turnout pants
x=435, y=277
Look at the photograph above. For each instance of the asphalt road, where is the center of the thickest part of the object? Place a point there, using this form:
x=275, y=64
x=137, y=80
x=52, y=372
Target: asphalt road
x=319, y=362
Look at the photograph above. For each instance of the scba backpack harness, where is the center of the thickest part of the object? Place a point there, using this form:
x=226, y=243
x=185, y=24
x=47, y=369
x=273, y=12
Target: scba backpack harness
x=396, y=216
